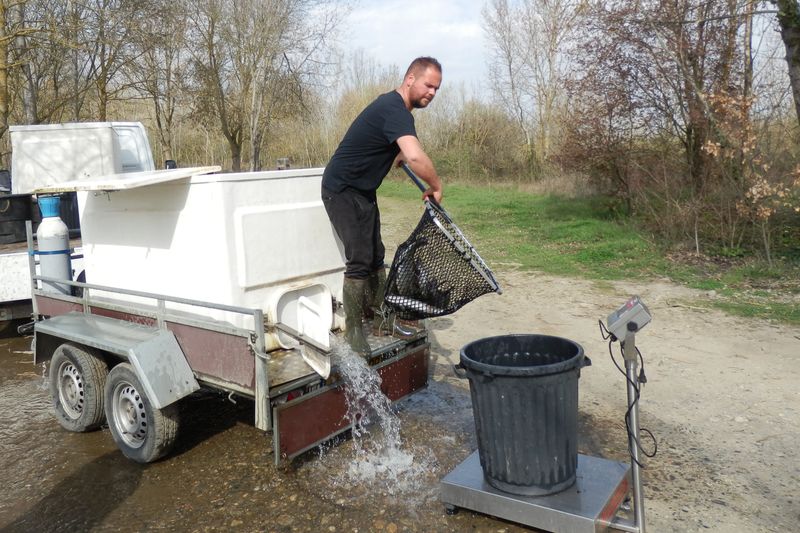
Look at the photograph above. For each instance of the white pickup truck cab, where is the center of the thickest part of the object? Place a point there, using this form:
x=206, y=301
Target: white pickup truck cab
x=46, y=155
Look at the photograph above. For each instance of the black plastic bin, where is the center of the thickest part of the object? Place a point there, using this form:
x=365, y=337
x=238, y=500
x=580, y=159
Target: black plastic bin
x=525, y=402
x=15, y=209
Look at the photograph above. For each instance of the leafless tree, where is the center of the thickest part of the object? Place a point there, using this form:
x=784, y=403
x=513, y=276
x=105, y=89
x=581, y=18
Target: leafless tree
x=161, y=69
x=667, y=57
x=251, y=58
x=109, y=31
x=529, y=62
x=789, y=21
x=13, y=31
x=51, y=74
x=6, y=37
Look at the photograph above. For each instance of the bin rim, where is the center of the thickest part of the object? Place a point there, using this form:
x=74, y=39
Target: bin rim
x=575, y=362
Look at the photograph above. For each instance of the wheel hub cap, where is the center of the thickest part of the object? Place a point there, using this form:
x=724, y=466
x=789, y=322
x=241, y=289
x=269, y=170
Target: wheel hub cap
x=70, y=390
x=130, y=417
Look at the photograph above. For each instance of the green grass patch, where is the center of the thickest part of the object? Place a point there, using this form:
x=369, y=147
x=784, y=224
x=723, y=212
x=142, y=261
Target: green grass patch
x=586, y=237
x=569, y=237
x=781, y=312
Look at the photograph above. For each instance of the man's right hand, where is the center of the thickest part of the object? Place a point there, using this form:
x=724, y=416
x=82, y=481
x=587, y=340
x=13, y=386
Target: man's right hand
x=436, y=196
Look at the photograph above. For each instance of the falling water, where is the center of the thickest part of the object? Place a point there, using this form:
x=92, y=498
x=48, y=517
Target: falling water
x=380, y=454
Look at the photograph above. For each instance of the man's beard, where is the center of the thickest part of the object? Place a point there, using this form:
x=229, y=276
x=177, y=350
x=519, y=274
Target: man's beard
x=418, y=104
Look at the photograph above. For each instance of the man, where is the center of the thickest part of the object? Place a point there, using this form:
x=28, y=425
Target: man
x=381, y=135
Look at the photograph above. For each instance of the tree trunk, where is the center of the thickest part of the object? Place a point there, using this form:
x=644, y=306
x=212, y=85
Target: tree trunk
x=165, y=138
x=164, y=127
x=28, y=93
x=255, y=151
x=747, y=88
x=236, y=155
x=102, y=99
x=765, y=238
x=4, y=96
x=789, y=21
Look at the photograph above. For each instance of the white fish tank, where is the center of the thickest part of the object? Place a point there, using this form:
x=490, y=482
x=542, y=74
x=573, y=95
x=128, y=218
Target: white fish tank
x=253, y=239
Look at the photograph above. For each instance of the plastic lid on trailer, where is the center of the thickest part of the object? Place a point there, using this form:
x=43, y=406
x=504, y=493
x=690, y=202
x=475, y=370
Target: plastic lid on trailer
x=130, y=180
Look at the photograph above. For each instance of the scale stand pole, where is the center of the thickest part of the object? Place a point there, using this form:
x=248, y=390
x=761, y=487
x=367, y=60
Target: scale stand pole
x=629, y=353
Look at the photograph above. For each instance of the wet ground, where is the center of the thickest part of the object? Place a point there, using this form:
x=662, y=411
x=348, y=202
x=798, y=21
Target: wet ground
x=221, y=476
x=722, y=399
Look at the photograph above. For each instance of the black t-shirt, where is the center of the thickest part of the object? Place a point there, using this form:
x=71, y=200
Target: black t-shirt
x=369, y=147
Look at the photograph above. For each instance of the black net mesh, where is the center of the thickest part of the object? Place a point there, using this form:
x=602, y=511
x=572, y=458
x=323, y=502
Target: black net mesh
x=436, y=271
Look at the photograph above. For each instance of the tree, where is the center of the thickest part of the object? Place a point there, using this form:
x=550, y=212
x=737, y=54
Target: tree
x=12, y=31
x=529, y=44
x=252, y=58
x=109, y=33
x=161, y=70
x=52, y=69
x=6, y=37
x=667, y=57
x=659, y=81
x=789, y=22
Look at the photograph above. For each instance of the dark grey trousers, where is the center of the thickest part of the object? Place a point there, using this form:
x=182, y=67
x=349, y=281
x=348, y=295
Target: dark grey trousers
x=357, y=222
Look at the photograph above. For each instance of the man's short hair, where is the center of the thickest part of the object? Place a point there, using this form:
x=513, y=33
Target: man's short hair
x=420, y=64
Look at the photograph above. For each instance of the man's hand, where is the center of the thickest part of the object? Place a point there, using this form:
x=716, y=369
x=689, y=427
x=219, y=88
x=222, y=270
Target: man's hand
x=435, y=195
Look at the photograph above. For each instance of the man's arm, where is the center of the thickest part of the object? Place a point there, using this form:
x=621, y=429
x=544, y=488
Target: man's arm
x=412, y=153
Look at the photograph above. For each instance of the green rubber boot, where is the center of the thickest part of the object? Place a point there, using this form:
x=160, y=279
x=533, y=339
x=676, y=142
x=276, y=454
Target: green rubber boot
x=385, y=322
x=354, y=300
x=372, y=287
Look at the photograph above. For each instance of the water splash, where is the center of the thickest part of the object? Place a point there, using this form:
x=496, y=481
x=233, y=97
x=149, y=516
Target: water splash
x=381, y=458
x=44, y=383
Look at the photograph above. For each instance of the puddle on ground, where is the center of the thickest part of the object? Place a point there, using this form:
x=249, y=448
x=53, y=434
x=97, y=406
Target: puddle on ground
x=221, y=476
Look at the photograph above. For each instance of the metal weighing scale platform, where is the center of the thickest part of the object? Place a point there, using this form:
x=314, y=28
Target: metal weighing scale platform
x=590, y=505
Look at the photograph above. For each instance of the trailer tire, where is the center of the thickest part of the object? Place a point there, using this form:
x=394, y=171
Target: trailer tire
x=77, y=383
x=141, y=431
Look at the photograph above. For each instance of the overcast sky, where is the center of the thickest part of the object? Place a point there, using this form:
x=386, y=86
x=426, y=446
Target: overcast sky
x=394, y=32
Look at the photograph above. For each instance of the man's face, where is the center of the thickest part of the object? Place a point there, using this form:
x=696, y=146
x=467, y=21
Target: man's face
x=423, y=87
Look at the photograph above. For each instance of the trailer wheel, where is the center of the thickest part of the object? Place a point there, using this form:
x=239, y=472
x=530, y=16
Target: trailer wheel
x=141, y=431
x=77, y=380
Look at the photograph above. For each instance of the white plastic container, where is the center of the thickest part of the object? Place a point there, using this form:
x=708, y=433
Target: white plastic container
x=257, y=240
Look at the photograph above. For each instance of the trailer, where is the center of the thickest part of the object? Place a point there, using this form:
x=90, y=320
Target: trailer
x=229, y=282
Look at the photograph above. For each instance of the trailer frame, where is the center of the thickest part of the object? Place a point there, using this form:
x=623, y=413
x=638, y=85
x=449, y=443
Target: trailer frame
x=298, y=406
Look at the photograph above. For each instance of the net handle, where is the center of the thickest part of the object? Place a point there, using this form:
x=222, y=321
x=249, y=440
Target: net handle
x=430, y=199
x=414, y=177
x=418, y=183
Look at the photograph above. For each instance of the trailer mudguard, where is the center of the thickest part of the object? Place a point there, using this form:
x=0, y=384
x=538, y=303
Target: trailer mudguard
x=154, y=353
x=163, y=370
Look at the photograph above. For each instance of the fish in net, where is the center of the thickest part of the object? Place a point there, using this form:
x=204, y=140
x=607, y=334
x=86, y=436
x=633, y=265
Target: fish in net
x=436, y=270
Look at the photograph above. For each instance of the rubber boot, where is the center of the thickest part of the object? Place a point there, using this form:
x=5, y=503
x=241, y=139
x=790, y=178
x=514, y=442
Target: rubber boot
x=372, y=288
x=354, y=301
x=385, y=322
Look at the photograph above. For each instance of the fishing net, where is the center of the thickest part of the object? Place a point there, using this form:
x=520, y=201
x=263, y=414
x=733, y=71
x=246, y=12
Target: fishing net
x=436, y=271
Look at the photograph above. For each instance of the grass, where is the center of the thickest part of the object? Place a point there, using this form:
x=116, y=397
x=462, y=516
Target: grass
x=582, y=237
